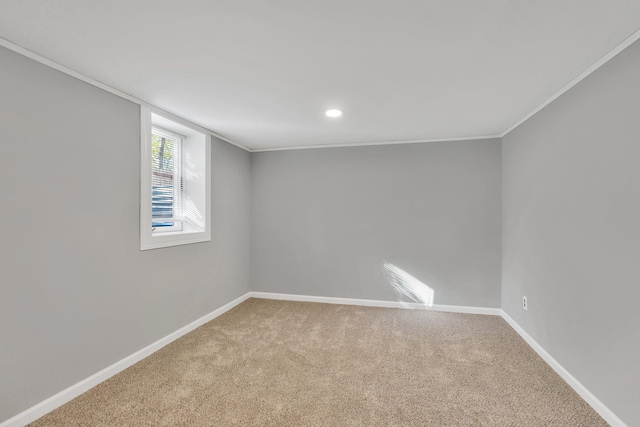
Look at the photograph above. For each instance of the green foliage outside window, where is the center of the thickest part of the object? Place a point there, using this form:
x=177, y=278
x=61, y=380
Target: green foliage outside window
x=162, y=153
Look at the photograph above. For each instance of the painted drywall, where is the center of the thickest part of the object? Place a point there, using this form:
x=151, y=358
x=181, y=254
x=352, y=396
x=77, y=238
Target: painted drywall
x=325, y=221
x=571, y=231
x=76, y=292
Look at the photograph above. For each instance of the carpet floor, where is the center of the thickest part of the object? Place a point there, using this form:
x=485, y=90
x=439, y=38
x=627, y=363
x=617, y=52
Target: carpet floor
x=282, y=363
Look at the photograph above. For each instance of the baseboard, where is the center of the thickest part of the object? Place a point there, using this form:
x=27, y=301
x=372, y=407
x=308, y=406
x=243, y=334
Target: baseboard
x=48, y=405
x=377, y=303
x=593, y=401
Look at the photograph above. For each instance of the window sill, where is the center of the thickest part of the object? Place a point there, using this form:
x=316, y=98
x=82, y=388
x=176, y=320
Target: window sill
x=173, y=238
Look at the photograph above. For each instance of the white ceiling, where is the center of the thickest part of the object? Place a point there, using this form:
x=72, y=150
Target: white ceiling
x=262, y=73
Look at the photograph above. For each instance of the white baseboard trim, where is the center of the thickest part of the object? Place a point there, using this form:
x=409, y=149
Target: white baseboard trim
x=48, y=405
x=377, y=303
x=593, y=401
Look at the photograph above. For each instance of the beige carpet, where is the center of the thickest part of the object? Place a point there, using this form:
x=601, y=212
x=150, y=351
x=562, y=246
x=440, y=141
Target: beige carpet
x=277, y=363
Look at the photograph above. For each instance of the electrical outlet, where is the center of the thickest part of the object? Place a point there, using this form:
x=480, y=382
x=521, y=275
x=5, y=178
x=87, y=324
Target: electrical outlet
x=524, y=303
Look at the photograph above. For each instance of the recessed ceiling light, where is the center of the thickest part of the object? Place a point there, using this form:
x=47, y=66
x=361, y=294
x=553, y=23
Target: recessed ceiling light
x=333, y=113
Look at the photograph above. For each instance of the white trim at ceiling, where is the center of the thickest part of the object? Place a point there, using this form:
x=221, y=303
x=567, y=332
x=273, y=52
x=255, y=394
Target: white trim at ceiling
x=41, y=59
x=599, y=63
x=361, y=144
x=603, y=60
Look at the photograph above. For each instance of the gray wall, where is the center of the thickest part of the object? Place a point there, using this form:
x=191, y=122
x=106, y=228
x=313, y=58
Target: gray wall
x=571, y=231
x=325, y=220
x=77, y=294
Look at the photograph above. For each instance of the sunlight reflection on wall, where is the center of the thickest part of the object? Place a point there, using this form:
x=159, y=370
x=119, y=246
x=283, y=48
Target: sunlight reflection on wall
x=194, y=185
x=191, y=213
x=405, y=285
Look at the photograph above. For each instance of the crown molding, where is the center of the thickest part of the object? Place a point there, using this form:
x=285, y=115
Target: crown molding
x=635, y=36
x=586, y=73
x=48, y=62
x=365, y=144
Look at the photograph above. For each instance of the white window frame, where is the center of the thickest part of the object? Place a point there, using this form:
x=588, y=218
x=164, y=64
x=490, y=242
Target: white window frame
x=196, y=182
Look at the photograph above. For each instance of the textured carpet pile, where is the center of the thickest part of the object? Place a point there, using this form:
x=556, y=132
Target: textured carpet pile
x=280, y=363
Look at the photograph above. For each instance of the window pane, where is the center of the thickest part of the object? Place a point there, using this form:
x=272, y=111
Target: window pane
x=162, y=169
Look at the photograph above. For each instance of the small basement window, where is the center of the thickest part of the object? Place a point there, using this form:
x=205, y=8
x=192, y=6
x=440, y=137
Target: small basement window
x=175, y=183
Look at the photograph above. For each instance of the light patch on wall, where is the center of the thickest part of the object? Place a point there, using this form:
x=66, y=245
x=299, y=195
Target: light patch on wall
x=405, y=285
